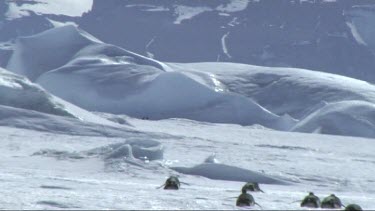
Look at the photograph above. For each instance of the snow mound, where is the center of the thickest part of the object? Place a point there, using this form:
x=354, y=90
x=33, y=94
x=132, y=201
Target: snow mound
x=33, y=120
x=152, y=94
x=136, y=152
x=137, y=148
x=17, y=91
x=58, y=154
x=347, y=118
x=292, y=91
x=226, y=172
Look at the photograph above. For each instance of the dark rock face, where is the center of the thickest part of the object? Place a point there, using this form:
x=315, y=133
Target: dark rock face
x=311, y=34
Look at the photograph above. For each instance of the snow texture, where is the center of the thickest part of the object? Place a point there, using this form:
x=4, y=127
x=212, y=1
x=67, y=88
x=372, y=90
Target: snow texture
x=146, y=120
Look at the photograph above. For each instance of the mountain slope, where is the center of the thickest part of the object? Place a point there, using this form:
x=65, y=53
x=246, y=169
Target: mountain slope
x=296, y=92
x=106, y=78
x=328, y=36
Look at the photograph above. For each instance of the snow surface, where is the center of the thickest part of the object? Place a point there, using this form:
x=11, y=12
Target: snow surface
x=106, y=78
x=225, y=172
x=96, y=74
x=311, y=35
x=347, y=118
x=48, y=50
x=18, y=9
x=17, y=91
x=45, y=170
x=281, y=90
x=146, y=120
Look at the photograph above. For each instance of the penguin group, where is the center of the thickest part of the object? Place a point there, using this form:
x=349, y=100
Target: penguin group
x=245, y=199
x=329, y=202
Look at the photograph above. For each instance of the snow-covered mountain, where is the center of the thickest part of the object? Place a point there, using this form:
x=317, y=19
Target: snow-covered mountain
x=329, y=36
x=96, y=110
x=106, y=78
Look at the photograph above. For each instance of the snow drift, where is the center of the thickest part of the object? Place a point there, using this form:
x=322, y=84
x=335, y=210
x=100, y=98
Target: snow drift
x=153, y=94
x=137, y=148
x=106, y=78
x=213, y=169
x=33, y=120
x=17, y=91
x=347, y=118
x=226, y=172
x=292, y=91
x=25, y=97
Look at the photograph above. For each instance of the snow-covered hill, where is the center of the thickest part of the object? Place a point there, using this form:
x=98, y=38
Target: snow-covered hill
x=106, y=78
x=19, y=92
x=296, y=92
x=348, y=118
x=25, y=104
